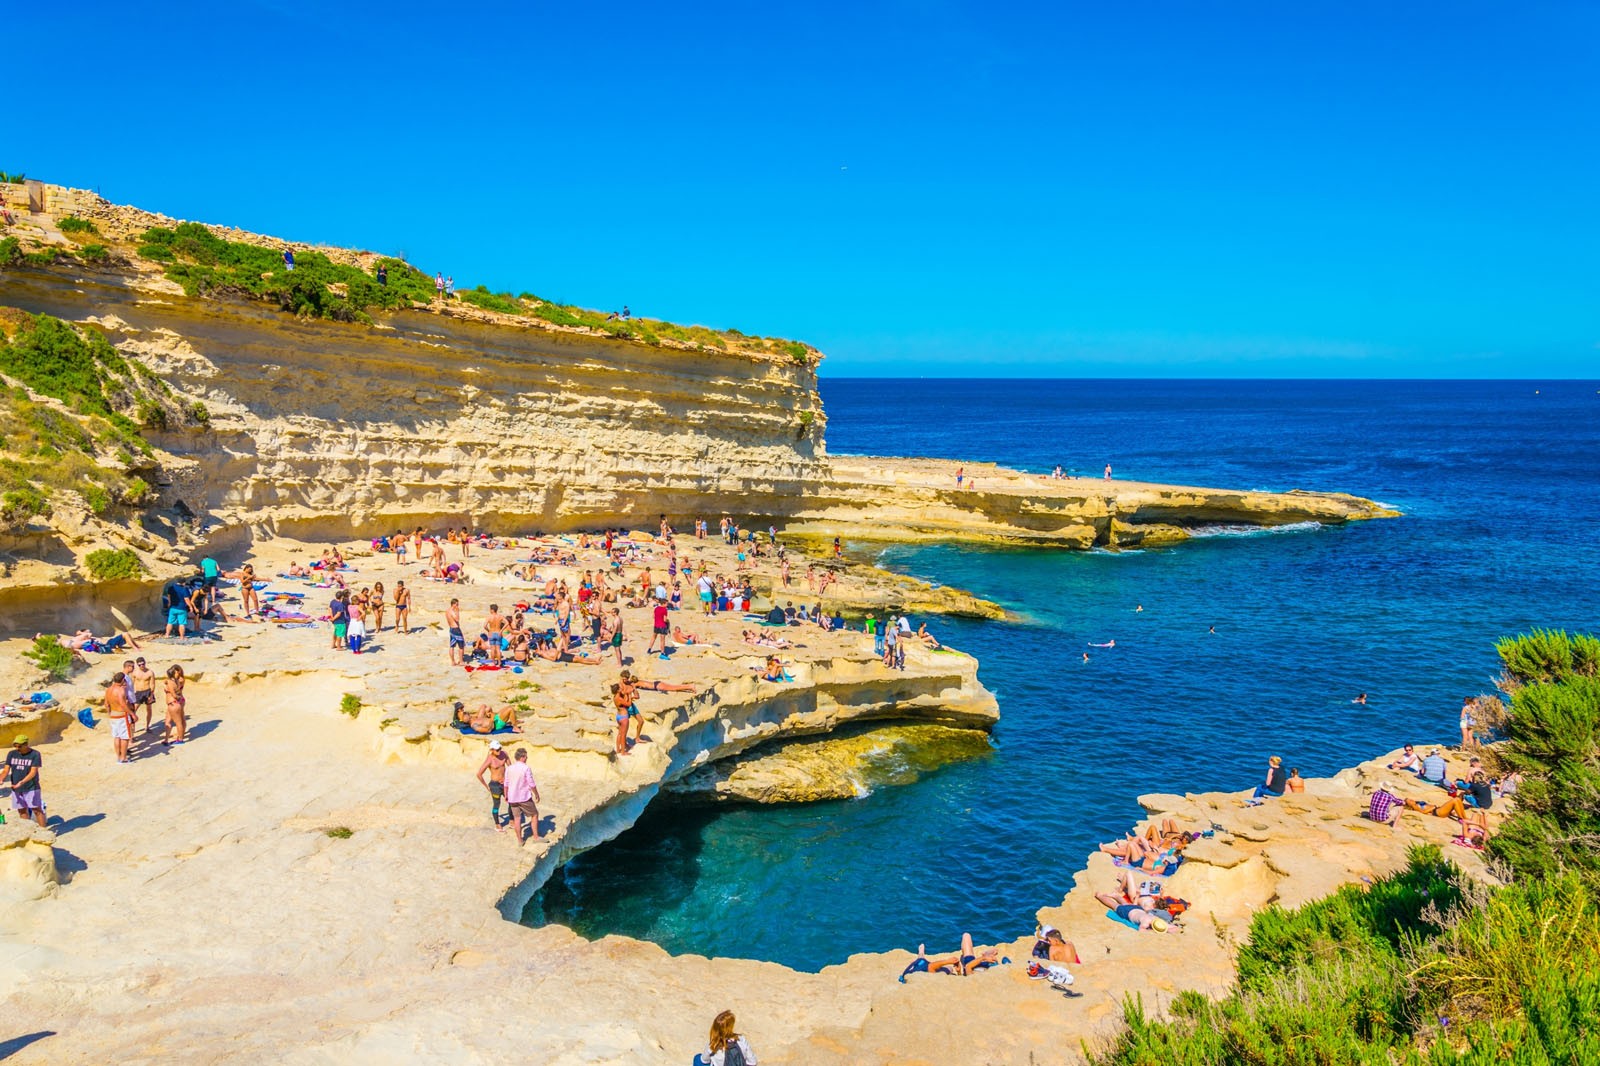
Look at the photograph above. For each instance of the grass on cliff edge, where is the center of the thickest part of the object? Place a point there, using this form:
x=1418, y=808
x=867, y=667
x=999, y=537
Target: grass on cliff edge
x=91, y=447
x=1427, y=966
x=204, y=263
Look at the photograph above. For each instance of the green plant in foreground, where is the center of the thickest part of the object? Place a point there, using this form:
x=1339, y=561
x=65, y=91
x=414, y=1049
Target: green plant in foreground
x=350, y=705
x=51, y=656
x=120, y=564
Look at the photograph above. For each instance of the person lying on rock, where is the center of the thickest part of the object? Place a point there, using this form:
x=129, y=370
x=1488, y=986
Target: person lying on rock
x=484, y=720
x=1138, y=903
x=1479, y=795
x=968, y=961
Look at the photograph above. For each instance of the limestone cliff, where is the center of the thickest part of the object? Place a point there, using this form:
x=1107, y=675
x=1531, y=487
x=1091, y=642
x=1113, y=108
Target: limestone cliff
x=450, y=414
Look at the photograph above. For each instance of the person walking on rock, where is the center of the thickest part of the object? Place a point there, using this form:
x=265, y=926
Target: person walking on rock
x=522, y=795
x=23, y=765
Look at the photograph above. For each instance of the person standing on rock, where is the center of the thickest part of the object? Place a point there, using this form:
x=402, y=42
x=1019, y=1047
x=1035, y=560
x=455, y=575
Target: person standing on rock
x=611, y=632
x=177, y=707
x=458, y=639
x=288, y=259
x=339, y=615
x=383, y=276
x=438, y=286
x=891, y=642
x=27, y=796
x=144, y=691
x=522, y=795
x=1108, y=471
x=402, y=607
x=876, y=634
x=494, y=625
x=494, y=764
x=119, y=709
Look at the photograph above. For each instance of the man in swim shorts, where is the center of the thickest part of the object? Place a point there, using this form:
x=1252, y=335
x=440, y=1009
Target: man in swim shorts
x=494, y=764
x=177, y=603
x=119, y=710
x=458, y=640
x=144, y=691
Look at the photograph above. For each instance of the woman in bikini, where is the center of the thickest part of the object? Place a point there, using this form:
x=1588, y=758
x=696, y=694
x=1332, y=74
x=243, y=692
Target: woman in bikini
x=247, y=590
x=176, y=717
x=375, y=602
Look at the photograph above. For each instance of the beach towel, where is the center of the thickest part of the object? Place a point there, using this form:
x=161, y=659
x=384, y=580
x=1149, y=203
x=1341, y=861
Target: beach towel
x=1115, y=917
x=297, y=625
x=86, y=716
x=1165, y=871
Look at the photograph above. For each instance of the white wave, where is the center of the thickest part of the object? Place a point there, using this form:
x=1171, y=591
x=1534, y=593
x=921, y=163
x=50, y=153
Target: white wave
x=1252, y=531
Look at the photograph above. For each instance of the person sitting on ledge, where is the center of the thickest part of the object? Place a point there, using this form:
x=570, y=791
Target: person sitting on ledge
x=1385, y=806
x=1407, y=761
x=928, y=638
x=1053, y=946
x=1274, y=785
x=1433, y=769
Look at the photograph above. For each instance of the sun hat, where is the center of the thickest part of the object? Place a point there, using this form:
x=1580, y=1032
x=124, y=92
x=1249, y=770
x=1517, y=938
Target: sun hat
x=19, y=740
x=495, y=745
x=1158, y=924
x=459, y=705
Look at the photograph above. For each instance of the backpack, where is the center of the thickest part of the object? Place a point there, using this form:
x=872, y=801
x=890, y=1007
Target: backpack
x=733, y=1054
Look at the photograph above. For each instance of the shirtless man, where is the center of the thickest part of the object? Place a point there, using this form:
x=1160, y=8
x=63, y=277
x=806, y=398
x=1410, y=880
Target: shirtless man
x=563, y=619
x=402, y=607
x=120, y=710
x=494, y=626
x=458, y=640
x=494, y=764
x=611, y=632
x=623, y=694
x=436, y=560
x=144, y=693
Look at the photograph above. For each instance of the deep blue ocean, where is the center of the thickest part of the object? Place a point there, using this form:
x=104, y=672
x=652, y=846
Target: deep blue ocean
x=1500, y=485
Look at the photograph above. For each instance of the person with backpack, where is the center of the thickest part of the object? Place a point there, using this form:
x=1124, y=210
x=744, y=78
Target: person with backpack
x=726, y=1047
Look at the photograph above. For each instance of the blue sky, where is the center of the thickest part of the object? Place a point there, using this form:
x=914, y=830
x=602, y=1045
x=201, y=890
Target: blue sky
x=1181, y=189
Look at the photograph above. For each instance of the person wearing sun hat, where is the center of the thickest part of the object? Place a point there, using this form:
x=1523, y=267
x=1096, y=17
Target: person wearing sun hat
x=22, y=766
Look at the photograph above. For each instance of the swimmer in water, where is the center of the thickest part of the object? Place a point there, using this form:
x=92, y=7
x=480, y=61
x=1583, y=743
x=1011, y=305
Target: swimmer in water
x=1139, y=608
x=1107, y=644
x=1085, y=656
x=1213, y=629
x=1361, y=699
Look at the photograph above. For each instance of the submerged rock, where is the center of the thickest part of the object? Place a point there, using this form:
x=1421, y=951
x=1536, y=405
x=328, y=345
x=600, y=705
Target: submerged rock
x=836, y=767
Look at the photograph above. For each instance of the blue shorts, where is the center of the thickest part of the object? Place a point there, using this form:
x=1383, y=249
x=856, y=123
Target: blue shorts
x=177, y=616
x=457, y=639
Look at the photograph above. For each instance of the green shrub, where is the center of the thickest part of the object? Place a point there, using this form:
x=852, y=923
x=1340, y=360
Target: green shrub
x=350, y=705
x=798, y=352
x=19, y=504
x=51, y=656
x=158, y=252
x=12, y=179
x=199, y=415
x=340, y=832
x=119, y=564
x=74, y=224
x=95, y=252
x=97, y=497
x=10, y=251
x=502, y=302
x=152, y=415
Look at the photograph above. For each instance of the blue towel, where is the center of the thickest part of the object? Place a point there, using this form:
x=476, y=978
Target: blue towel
x=86, y=716
x=469, y=731
x=1115, y=917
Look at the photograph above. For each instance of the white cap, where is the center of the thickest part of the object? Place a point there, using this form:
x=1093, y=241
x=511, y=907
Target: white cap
x=495, y=745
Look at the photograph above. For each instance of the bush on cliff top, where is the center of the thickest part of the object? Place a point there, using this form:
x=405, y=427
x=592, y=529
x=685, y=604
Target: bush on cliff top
x=51, y=656
x=108, y=564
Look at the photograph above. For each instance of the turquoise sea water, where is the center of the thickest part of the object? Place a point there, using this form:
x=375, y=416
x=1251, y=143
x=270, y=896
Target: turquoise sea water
x=1500, y=482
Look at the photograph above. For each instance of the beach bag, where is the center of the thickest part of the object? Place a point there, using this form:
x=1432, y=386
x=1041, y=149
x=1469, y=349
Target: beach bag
x=733, y=1054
